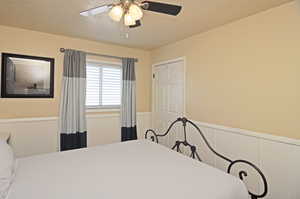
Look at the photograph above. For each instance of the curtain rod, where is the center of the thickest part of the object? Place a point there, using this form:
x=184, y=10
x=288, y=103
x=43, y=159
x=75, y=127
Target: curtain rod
x=100, y=55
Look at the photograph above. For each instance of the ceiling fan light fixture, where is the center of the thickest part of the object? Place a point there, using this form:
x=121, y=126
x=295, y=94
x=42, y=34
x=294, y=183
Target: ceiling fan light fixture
x=129, y=20
x=135, y=11
x=116, y=13
x=132, y=10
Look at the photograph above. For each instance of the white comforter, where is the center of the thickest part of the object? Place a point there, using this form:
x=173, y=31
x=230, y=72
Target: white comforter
x=131, y=170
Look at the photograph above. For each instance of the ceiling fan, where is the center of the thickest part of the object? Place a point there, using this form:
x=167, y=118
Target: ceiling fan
x=132, y=10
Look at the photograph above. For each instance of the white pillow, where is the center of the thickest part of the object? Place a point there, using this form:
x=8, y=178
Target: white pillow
x=7, y=164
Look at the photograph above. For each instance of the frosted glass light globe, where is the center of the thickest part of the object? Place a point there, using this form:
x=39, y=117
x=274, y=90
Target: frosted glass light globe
x=116, y=13
x=135, y=11
x=129, y=20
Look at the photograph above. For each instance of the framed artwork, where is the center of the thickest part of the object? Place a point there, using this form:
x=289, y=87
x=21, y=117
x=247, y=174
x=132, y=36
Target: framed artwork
x=24, y=76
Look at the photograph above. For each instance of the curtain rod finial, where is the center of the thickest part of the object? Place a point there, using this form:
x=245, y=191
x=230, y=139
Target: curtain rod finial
x=62, y=50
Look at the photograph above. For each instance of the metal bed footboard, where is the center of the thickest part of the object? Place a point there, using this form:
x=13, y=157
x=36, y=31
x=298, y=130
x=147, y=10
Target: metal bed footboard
x=242, y=174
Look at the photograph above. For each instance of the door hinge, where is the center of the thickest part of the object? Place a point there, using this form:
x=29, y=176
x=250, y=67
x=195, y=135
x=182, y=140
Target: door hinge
x=153, y=76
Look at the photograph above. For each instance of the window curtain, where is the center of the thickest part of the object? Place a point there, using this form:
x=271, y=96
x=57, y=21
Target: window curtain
x=128, y=105
x=73, y=134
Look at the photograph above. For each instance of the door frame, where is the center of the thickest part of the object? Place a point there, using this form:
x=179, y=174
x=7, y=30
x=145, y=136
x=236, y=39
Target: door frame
x=183, y=59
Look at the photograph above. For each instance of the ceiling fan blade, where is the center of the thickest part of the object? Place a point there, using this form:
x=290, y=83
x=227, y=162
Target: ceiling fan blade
x=137, y=24
x=95, y=11
x=161, y=7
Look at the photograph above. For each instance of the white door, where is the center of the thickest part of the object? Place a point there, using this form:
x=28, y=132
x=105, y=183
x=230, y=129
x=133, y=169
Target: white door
x=168, y=98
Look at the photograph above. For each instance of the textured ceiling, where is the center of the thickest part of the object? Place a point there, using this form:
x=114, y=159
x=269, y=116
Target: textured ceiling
x=62, y=17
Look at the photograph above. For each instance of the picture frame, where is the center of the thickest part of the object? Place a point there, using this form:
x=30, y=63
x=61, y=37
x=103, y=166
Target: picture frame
x=24, y=76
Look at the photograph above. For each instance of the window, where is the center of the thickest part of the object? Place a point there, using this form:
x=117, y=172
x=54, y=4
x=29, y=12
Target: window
x=103, y=85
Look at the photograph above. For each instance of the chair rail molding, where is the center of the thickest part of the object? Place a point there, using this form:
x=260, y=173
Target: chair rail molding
x=34, y=119
x=249, y=133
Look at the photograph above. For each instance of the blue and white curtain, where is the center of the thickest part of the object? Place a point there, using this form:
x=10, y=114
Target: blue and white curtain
x=128, y=105
x=73, y=134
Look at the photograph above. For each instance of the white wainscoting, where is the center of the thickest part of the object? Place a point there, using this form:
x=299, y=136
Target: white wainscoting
x=278, y=157
x=31, y=136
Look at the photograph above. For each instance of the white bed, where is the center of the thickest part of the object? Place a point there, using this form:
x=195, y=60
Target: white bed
x=131, y=170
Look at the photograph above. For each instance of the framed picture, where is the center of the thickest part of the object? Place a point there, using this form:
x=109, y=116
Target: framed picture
x=24, y=76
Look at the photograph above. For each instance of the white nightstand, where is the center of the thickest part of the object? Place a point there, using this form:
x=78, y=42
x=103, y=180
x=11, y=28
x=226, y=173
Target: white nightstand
x=5, y=136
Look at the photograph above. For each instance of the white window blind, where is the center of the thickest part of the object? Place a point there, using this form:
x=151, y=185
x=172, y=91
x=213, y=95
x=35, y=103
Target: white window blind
x=103, y=85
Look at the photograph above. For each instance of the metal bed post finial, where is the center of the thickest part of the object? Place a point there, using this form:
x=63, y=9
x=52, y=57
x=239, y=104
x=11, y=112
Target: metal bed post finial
x=242, y=174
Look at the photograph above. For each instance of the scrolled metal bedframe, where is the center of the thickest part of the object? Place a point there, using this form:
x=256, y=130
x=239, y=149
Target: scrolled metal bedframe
x=242, y=174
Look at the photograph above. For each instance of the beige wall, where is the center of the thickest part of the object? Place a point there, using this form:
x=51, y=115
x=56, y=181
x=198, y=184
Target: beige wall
x=245, y=74
x=13, y=40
